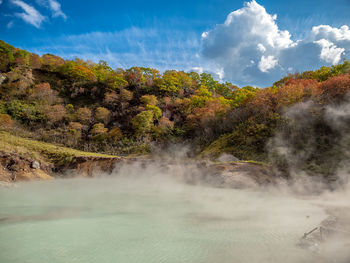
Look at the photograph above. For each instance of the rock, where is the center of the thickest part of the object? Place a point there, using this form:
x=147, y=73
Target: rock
x=35, y=165
x=2, y=78
x=227, y=158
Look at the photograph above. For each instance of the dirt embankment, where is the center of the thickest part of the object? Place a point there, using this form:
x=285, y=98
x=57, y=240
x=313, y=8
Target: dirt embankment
x=14, y=168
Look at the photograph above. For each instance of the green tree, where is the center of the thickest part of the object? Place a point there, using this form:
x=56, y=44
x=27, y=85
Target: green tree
x=143, y=122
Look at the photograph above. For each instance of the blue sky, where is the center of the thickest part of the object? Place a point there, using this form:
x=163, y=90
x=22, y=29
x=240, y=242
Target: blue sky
x=244, y=43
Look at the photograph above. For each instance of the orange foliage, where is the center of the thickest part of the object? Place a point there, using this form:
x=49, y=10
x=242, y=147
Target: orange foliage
x=334, y=89
x=115, y=134
x=165, y=123
x=44, y=94
x=5, y=120
x=294, y=91
x=55, y=113
x=83, y=115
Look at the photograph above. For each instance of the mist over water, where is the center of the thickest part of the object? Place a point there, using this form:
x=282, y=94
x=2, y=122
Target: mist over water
x=145, y=215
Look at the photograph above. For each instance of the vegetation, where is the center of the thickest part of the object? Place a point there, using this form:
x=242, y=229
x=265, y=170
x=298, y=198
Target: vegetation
x=41, y=151
x=92, y=107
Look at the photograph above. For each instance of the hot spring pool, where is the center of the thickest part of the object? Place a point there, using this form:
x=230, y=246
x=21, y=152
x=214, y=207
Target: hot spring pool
x=106, y=220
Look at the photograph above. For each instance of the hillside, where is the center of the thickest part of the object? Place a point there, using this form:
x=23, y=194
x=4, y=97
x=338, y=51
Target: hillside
x=92, y=107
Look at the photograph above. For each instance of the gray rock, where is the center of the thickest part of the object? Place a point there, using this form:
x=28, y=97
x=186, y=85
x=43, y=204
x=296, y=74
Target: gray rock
x=35, y=165
x=227, y=158
x=2, y=78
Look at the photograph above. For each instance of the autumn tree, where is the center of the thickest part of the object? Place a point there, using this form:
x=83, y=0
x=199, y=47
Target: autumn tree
x=44, y=94
x=77, y=72
x=55, y=113
x=102, y=115
x=115, y=134
x=83, y=115
x=51, y=62
x=99, y=132
x=149, y=99
x=74, y=132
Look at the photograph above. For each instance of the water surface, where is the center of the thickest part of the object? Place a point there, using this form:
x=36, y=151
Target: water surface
x=155, y=220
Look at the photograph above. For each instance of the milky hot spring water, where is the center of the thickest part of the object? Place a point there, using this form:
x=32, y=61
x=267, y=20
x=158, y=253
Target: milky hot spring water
x=151, y=218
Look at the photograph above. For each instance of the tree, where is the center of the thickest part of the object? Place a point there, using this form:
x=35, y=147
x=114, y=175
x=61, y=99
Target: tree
x=83, y=115
x=55, y=113
x=74, y=132
x=134, y=76
x=51, y=62
x=142, y=122
x=102, y=115
x=157, y=112
x=43, y=94
x=165, y=124
x=115, y=134
x=149, y=99
x=99, y=132
x=78, y=72
x=6, y=56
x=170, y=82
x=125, y=95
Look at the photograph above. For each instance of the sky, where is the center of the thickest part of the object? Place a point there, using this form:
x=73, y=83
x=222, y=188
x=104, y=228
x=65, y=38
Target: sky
x=246, y=43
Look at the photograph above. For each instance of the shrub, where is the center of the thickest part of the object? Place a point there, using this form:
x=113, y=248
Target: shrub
x=5, y=120
x=25, y=113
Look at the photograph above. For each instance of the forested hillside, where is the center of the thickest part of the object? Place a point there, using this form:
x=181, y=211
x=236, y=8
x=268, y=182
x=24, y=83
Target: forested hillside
x=90, y=106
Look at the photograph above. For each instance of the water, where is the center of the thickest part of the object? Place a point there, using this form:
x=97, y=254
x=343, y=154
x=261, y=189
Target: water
x=128, y=220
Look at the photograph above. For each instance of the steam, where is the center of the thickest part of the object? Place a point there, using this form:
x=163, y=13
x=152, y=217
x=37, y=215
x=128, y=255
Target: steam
x=312, y=146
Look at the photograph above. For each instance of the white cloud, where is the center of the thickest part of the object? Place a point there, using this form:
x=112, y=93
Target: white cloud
x=54, y=6
x=10, y=24
x=251, y=48
x=56, y=9
x=30, y=14
x=159, y=48
x=267, y=63
x=330, y=52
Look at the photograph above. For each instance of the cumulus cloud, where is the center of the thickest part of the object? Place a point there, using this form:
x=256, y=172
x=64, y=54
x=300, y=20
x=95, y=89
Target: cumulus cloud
x=267, y=63
x=30, y=14
x=330, y=52
x=251, y=49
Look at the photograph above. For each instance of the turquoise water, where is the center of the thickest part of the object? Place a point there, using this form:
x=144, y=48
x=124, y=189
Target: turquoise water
x=135, y=220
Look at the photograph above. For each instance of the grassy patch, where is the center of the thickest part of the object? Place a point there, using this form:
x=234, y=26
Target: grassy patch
x=42, y=151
